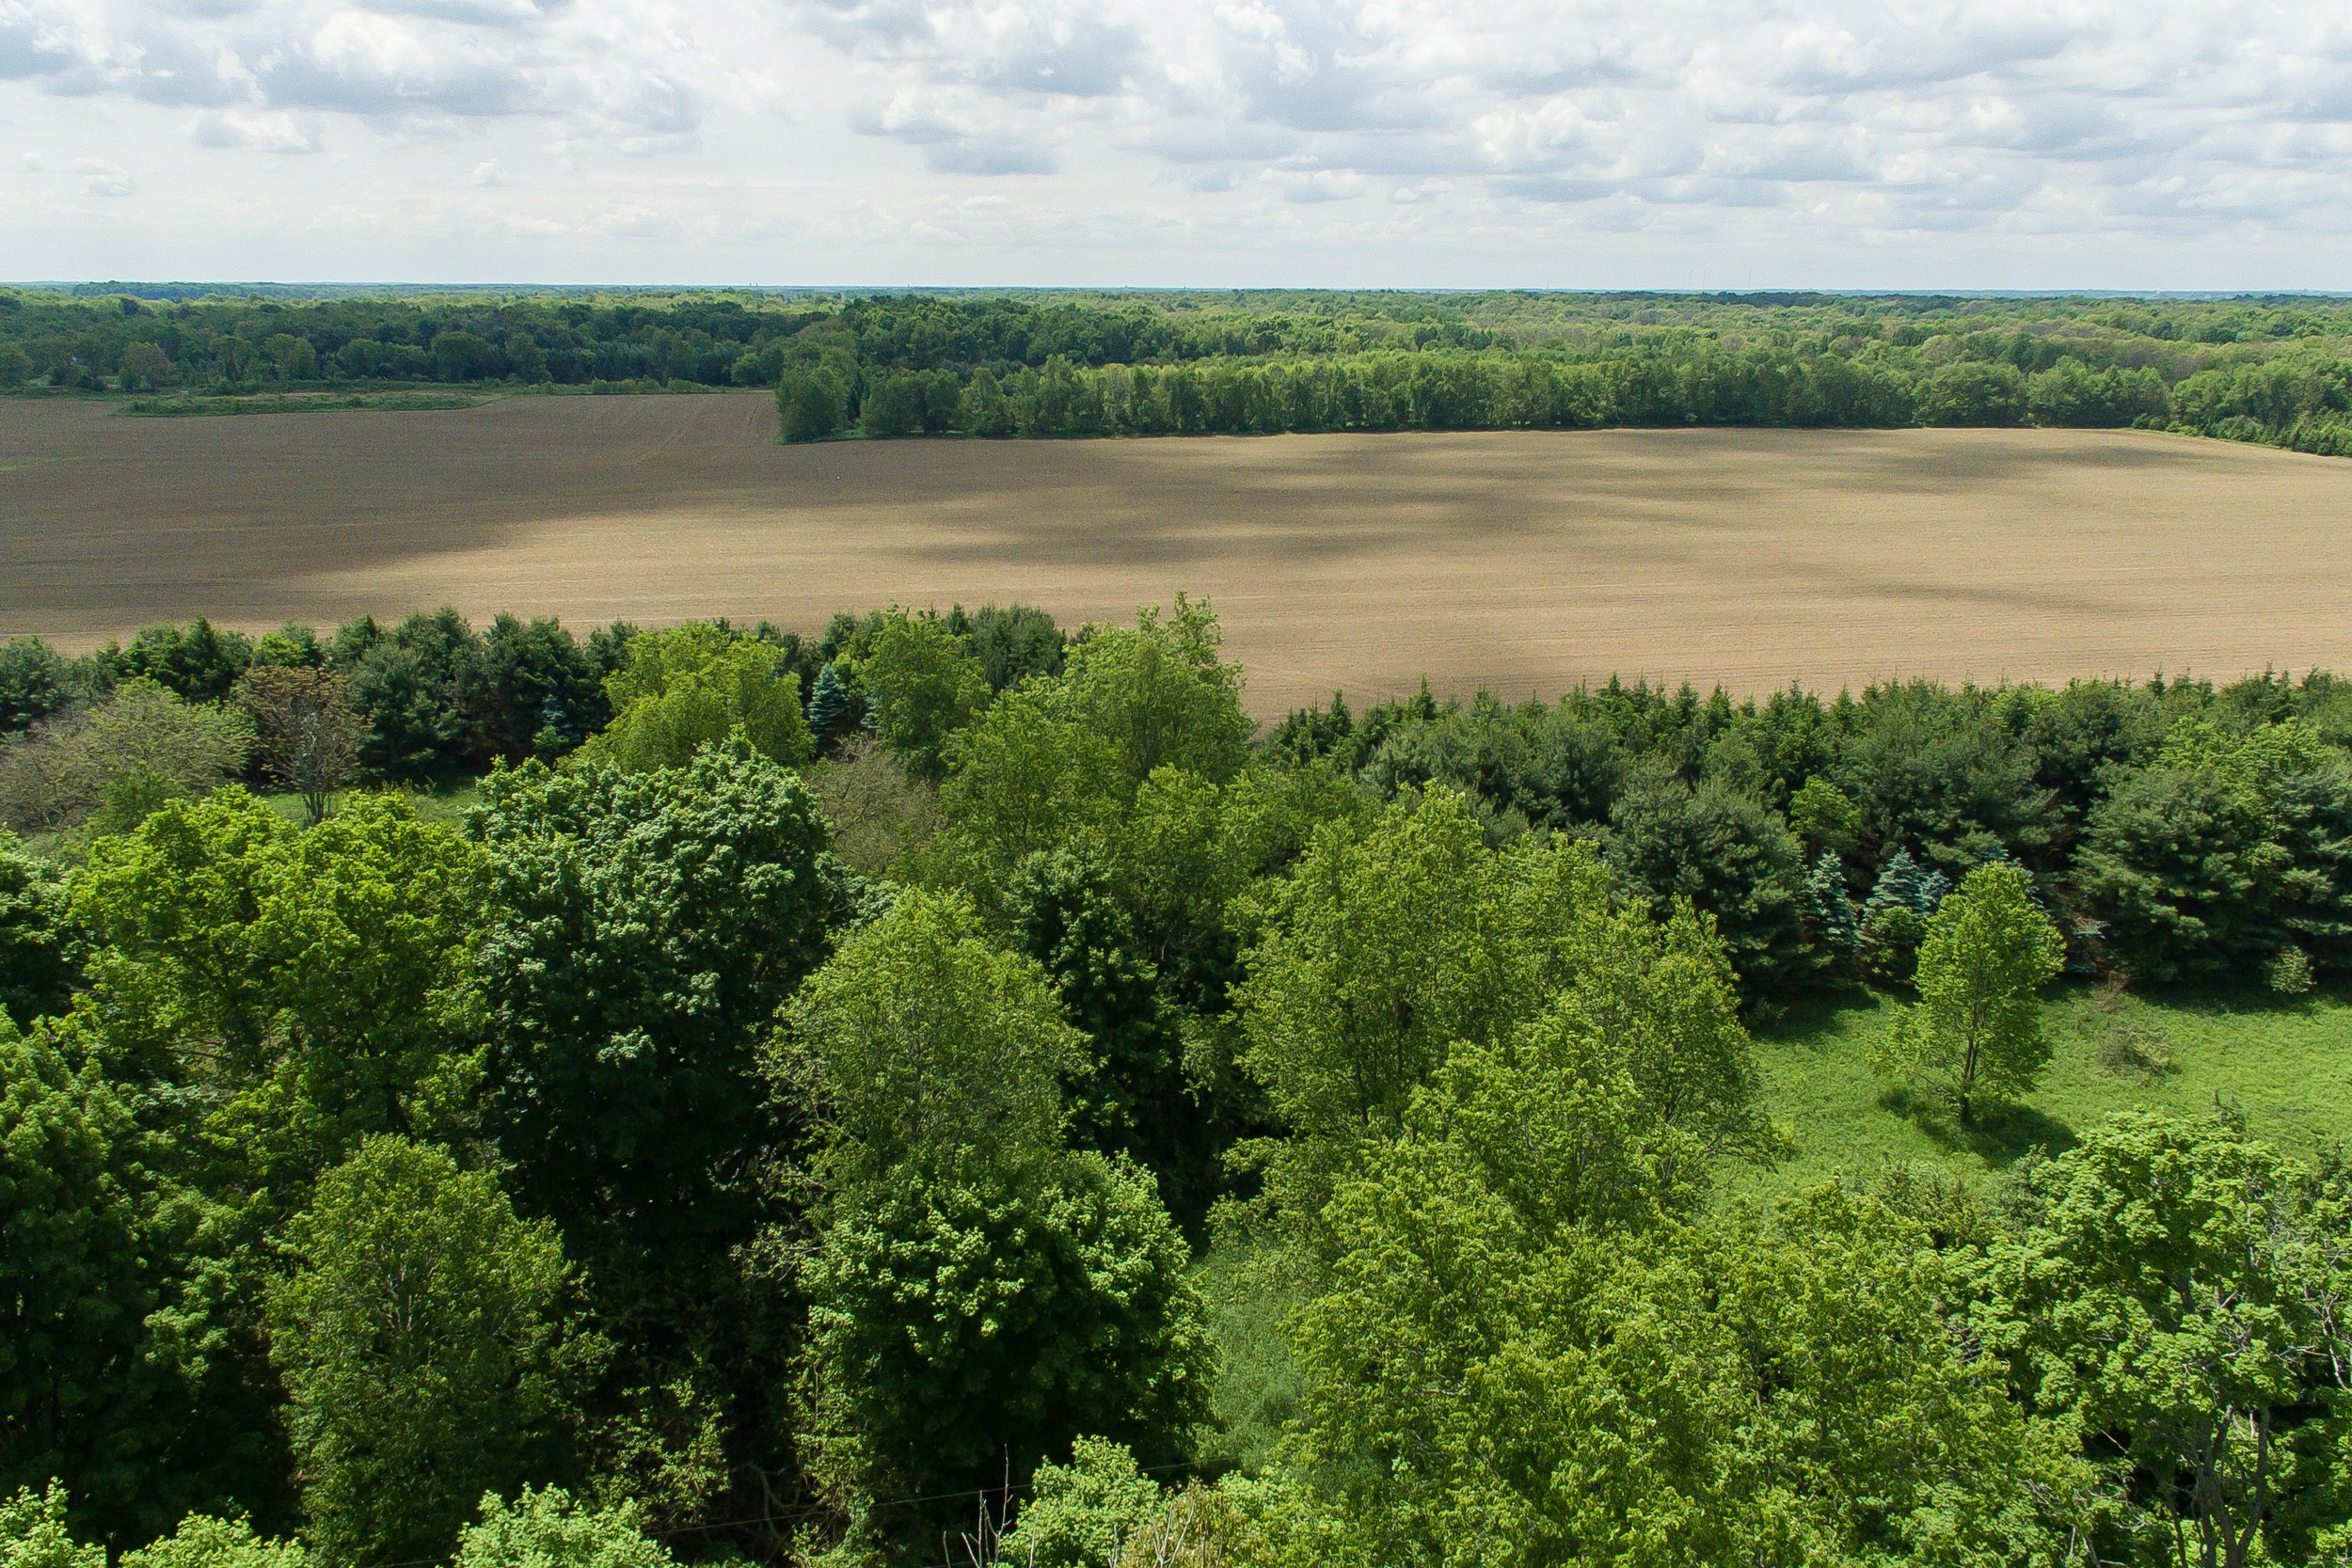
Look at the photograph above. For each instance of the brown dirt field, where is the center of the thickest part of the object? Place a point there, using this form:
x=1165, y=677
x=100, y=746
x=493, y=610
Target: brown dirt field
x=1522, y=561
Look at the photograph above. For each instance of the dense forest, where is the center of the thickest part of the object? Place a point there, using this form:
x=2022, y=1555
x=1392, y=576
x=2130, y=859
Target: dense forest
x=950, y=1088
x=2264, y=368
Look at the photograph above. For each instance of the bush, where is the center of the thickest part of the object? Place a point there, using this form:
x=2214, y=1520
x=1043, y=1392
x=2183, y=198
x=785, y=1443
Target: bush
x=546, y=1529
x=204, y=1542
x=2288, y=973
x=33, y=1534
x=111, y=765
x=1079, y=1515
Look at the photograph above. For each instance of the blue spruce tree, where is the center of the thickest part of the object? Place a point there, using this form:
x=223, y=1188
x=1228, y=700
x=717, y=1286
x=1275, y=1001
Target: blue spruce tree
x=828, y=707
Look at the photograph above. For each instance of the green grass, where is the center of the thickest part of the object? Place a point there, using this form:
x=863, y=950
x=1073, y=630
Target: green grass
x=2285, y=1065
x=199, y=405
x=446, y=805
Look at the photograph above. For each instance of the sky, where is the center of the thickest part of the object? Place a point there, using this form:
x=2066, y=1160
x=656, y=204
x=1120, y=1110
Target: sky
x=1861, y=144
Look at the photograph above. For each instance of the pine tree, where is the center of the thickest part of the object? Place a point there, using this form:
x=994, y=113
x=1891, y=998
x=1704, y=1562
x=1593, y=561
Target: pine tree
x=1892, y=922
x=1898, y=886
x=1833, y=912
x=829, y=706
x=1933, y=889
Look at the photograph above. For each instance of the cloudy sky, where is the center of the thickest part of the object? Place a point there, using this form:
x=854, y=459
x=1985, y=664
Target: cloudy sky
x=1557, y=143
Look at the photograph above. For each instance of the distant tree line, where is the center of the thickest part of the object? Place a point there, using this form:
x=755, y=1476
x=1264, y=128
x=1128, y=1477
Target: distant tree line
x=2273, y=370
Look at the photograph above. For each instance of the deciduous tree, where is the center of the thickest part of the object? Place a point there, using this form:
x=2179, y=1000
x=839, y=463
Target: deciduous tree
x=1975, y=1034
x=422, y=1337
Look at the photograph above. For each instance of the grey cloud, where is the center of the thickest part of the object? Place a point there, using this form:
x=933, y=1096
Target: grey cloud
x=33, y=46
x=361, y=86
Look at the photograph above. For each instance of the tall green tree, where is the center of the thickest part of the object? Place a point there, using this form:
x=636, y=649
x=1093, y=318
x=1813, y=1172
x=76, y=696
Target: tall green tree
x=642, y=930
x=694, y=684
x=37, y=971
x=922, y=684
x=423, y=1338
x=2175, y=1291
x=88, y=1244
x=1730, y=857
x=968, y=1318
x=296, y=990
x=918, y=1039
x=979, y=1295
x=1497, y=1383
x=1975, y=1034
x=1380, y=953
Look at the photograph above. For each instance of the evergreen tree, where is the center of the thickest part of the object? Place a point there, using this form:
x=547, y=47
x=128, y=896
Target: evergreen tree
x=830, y=706
x=1888, y=941
x=1833, y=912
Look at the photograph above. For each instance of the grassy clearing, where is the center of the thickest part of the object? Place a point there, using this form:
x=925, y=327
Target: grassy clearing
x=201, y=406
x=2285, y=1065
x=447, y=805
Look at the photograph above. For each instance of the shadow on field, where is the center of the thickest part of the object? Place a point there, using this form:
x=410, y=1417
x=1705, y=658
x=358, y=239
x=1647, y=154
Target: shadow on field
x=2000, y=1135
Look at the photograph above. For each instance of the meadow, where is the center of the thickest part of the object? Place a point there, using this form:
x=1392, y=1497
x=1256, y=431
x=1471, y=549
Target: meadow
x=1520, y=560
x=2283, y=1064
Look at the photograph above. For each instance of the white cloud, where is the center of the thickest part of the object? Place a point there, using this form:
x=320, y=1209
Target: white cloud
x=263, y=129
x=100, y=177
x=1173, y=140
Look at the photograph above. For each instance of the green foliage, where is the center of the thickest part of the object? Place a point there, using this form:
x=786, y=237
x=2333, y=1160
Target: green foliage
x=922, y=686
x=411, y=683
x=33, y=1533
x=1080, y=1514
x=810, y=405
x=547, y=1528
x=35, y=682
x=1063, y=754
x=1820, y=815
x=37, y=971
x=642, y=930
x=1392, y=957
x=2229, y=848
x=85, y=1241
x=922, y=1041
x=2288, y=973
x=1487, y=1387
x=1129, y=1095
x=299, y=990
x=1729, y=858
x=2174, y=1290
x=831, y=706
x=694, y=684
x=1834, y=924
x=1046, y=365
x=202, y=1541
x=1976, y=1034
x=972, y=1316
x=2174, y=863
x=110, y=765
x=422, y=1338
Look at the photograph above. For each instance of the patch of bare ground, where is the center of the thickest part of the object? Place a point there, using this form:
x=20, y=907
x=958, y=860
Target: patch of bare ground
x=1523, y=561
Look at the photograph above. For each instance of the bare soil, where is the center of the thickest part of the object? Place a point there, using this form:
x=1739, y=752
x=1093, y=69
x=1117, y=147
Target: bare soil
x=1520, y=561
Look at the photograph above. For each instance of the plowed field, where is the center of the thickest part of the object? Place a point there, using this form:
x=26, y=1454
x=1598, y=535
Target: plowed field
x=1522, y=561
